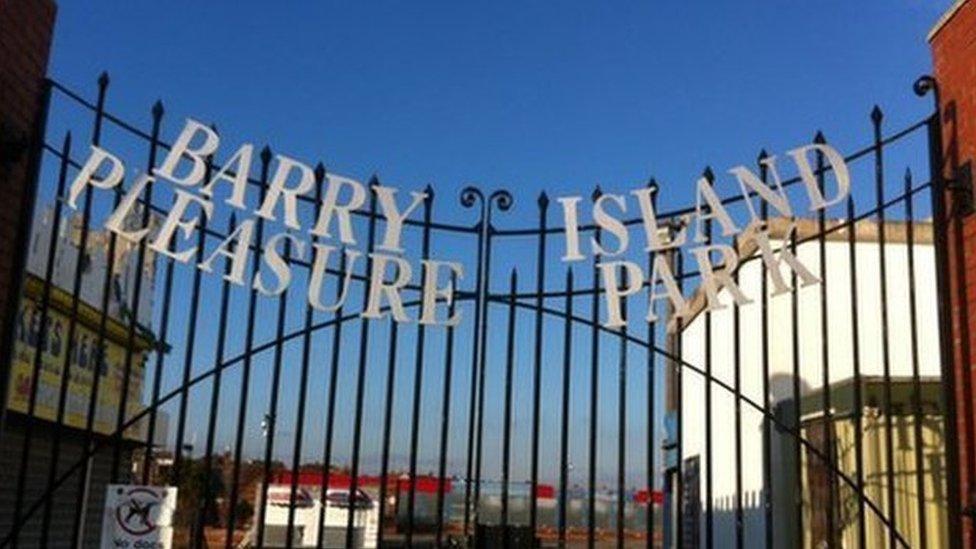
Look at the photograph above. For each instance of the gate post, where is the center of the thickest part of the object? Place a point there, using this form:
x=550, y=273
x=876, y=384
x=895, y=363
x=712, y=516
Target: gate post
x=953, y=43
x=24, y=52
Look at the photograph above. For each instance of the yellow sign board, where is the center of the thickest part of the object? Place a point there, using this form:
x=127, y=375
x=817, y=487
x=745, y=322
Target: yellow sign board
x=84, y=364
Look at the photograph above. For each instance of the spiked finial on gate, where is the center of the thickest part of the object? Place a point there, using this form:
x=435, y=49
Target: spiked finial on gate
x=763, y=155
x=819, y=138
x=266, y=155
x=876, y=114
x=708, y=174
x=157, y=109
x=543, y=201
x=103, y=80
x=429, y=191
x=374, y=181
x=652, y=184
x=320, y=172
x=597, y=193
x=513, y=281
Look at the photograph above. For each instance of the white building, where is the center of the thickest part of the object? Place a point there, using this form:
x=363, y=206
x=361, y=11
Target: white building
x=309, y=510
x=840, y=361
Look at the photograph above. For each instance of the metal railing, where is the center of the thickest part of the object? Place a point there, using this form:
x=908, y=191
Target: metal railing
x=539, y=340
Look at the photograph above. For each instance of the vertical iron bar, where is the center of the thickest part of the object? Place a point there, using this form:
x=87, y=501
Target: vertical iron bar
x=19, y=271
x=825, y=357
x=330, y=406
x=622, y=421
x=84, y=480
x=191, y=336
x=271, y=417
x=418, y=375
x=737, y=384
x=940, y=227
x=876, y=118
x=222, y=327
x=594, y=390
x=507, y=427
x=388, y=426
x=446, y=412
x=303, y=384
x=858, y=388
x=540, y=285
x=678, y=365
x=73, y=323
x=564, y=429
x=479, y=304
x=473, y=400
x=795, y=360
x=157, y=113
x=361, y=377
x=651, y=396
x=482, y=358
x=709, y=477
x=503, y=200
x=764, y=359
x=160, y=347
x=43, y=330
x=248, y=356
x=916, y=378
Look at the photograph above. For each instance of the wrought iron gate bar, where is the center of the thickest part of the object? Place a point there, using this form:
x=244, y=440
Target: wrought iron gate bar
x=445, y=413
x=594, y=324
x=709, y=417
x=827, y=404
x=916, y=377
x=338, y=318
x=418, y=372
x=923, y=86
x=36, y=359
x=876, y=118
x=539, y=345
x=567, y=360
x=651, y=365
x=223, y=327
x=856, y=367
x=303, y=387
x=249, y=351
x=767, y=496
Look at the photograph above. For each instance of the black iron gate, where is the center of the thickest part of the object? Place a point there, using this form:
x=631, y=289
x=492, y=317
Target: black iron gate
x=817, y=418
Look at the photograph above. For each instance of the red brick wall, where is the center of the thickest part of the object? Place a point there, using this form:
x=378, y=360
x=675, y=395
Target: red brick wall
x=25, y=42
x=954, y=58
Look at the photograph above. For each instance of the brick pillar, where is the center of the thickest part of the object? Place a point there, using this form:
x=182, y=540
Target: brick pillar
x=25, y=42
x=953, y=42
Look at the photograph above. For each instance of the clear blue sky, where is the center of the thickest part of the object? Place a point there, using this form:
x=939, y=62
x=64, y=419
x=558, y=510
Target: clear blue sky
x=525, y=96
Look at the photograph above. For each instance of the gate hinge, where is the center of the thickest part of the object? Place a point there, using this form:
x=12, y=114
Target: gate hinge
x=968, y=511
x=13, y=145
x=962, y=187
